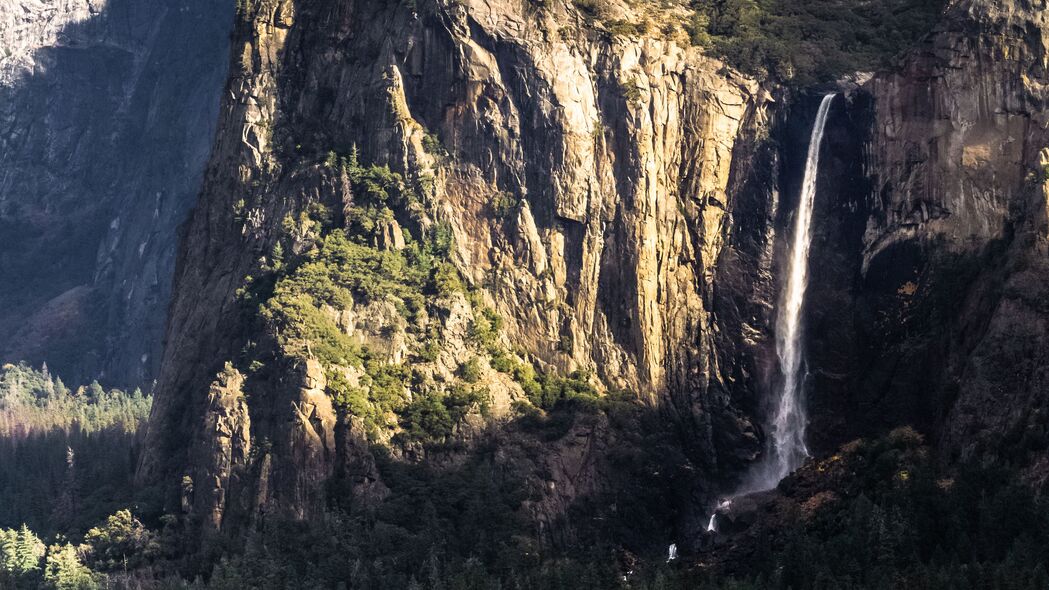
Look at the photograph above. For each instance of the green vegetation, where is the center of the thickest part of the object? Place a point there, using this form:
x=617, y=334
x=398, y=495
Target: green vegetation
x=66, y=455
x=20, y=552
x=63, y=570
x=485, y=327
x=339, y=271
x=800, y=43
x=378, y=249
x=66, y=460
x=430, y=418
x=121, y=542
x=632, y=94
x=591, y=8
x=382, y=391
x=470, y=371
x=549, y=389
x=109, y=551
x=544, y=390
x=891, y=519
x=343, y=265
x=433, y=146
x=809, y=42
x=901, y=522
x=34, y=402
x=468, y=524
x=1039, y=175
x=505, y=204
x=624, y=28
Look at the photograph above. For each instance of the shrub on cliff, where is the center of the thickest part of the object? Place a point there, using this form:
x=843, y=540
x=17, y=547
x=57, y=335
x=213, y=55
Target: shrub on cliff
x=808, y=42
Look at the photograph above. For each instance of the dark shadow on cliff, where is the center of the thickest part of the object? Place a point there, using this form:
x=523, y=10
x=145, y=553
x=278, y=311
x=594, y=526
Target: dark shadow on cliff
x=508, y=505
x=887, y=344
x=766, y=188
x=103, y=150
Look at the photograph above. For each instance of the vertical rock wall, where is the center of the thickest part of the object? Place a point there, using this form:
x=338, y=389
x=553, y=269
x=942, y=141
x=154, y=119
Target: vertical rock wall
x=622, y=151
x=941, y=319
x=643, y=246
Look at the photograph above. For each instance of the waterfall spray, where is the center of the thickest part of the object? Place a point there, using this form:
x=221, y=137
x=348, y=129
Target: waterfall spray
x=787, y=448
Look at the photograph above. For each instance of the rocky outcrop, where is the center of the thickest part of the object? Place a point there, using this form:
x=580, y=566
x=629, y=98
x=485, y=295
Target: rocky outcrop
x=225, y=444
x=107, y=111
x=586, y=178
x=929, y=308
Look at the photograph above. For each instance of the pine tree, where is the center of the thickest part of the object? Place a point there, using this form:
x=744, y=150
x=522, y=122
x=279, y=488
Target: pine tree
x=119, y=542
x=65, y=506
x=65, y=572
x=20, y=551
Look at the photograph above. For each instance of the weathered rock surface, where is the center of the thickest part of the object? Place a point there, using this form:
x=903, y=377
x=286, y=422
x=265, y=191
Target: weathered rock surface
x=621, y=152
x=935, y=314
x=640, y=243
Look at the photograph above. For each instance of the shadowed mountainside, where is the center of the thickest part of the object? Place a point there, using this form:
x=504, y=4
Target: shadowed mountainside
x=107, y=114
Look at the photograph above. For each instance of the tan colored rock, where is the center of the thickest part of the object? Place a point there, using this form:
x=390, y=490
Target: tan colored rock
x=390, y=236
x=224, y=444
x=381, y=327
x=621, y=151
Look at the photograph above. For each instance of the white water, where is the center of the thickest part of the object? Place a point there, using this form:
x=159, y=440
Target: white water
x=787, y=448
x=712, y=526
x=672, y=552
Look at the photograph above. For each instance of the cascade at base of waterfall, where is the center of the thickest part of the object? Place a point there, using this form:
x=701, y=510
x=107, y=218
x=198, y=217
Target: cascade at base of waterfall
x=712, y=526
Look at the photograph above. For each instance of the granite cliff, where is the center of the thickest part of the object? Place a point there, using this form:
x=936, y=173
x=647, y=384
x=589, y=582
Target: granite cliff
x=494, y=283
x=934, y=315
x=615, y=156
x=614, y=197
x=551, y=207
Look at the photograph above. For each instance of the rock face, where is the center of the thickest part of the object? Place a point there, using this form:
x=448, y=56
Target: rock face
x=107, y=113
x=959, y=129
x=932, y=307
x=618, y=154
x=617, y=200
x=990, y=162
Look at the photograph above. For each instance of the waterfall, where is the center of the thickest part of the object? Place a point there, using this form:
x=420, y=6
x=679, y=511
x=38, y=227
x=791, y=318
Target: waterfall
x=712, y=525
x=788, y=424
x=787, y=448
